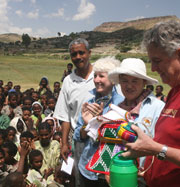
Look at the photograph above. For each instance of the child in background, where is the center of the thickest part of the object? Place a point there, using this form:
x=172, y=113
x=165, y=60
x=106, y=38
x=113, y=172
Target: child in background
x=57, y=89
x=12, y=109
x=44, y=86
x=26, y=118
x=4, y=119
x=1, y=83
x=17, y=88
x=23, y=123
x=1, y=90
x=52, y=123
x=11, y=134
x=159, y=93
x=4, y=168
x=43, y=101
x=51, y=102
x=69, y=71
x=34, y=175
x=19, y=98
x=10, y=150
x=49, y=148
x=37, y=116
x=2, y=136
x=6, y=89
x=26, y=136
x=10, y=85
x=20, y=126
x=35, y=96
x=27, y=102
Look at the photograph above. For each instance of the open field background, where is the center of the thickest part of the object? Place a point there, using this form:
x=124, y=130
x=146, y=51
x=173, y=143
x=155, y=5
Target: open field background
x=27, y=70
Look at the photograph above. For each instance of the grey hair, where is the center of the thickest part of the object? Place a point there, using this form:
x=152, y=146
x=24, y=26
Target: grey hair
x=165, y=35
x=106, y=64
x=79, y=41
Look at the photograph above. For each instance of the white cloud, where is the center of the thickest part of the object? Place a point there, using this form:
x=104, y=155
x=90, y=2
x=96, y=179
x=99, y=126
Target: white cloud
x=14, y=29
x=19, y=13
x=42, y=32
x=5, y=25
x=18, y=0
x=135, y=18
x=3, y=11
x=33, y=15
x=33, y=1
x=147, y=6
x=59, y=13
x=85, y=10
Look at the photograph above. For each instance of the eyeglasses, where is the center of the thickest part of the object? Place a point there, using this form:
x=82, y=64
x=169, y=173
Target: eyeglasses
x=74, y=54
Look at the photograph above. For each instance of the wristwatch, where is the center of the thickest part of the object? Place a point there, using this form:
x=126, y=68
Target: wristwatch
x=162, y=154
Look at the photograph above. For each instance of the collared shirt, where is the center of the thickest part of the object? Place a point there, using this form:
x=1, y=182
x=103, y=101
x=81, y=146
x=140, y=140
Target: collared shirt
x=91, y=146
x=149, y=113
x=74, y=92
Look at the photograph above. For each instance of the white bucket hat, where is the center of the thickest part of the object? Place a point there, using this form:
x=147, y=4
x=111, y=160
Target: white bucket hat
x=134, y=67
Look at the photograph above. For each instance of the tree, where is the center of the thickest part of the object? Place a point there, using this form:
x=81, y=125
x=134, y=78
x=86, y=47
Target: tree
x=26, y=40
x=59, y=34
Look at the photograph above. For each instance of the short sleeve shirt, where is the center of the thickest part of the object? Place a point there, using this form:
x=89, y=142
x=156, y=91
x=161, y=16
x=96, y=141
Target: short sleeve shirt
x=75, y=91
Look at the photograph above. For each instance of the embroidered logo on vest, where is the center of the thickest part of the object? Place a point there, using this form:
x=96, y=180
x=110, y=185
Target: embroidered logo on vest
x=169, y=113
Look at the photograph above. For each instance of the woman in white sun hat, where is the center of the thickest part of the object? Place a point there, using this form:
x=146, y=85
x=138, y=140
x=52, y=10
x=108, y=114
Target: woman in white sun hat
x=143, y=106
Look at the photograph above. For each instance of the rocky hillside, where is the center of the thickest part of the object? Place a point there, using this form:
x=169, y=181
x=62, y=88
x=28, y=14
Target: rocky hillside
x=140, y=24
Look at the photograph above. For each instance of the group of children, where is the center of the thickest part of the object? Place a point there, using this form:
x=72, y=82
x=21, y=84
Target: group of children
x=30, y=138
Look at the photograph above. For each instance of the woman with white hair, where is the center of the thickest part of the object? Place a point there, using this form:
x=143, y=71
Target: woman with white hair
x=142, y=105
x=104, y=94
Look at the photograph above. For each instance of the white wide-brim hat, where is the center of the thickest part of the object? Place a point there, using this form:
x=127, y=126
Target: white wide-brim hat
x=131, y=66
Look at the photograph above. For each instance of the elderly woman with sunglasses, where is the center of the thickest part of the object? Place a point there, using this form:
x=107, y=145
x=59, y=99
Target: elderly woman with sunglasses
x=163, y=46
x=104, y=93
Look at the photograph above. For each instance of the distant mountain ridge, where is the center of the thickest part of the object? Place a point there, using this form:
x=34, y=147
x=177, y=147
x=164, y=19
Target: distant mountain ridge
x=140, y=24
x=109, y=38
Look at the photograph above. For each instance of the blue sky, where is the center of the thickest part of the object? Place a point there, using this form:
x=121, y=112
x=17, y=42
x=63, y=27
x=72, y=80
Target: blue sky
x=45, y=18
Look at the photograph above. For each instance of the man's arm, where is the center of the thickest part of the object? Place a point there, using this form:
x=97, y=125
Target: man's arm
x=65, y=145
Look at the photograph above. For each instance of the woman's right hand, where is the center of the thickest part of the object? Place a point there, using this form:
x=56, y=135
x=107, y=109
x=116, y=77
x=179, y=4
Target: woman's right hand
x=90, y=110
x=86, y=114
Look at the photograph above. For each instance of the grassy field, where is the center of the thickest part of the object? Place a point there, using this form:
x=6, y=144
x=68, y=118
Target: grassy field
x=27, y=70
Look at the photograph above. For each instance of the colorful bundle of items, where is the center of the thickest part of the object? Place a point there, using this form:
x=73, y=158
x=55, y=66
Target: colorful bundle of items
x=125, y=132
x=110, y=136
